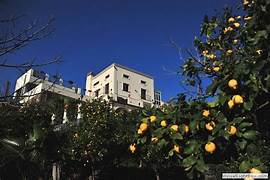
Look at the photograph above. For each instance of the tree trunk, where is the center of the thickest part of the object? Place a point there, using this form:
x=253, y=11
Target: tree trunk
x=157, y=175
x=56, y=171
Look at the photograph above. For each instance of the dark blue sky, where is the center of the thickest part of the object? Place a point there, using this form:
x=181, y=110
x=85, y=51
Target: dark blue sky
x=91, y=34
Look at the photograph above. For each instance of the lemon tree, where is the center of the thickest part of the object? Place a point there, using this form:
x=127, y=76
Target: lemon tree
x=226, y=123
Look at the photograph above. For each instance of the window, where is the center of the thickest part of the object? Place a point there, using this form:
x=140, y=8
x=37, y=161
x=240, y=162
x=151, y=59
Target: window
x=125, y=87
x=107, y=88
x=143, y=94
x=107, y=76
x=97, y=93
x=143, y=82
x=125, y=76
x=96, y=83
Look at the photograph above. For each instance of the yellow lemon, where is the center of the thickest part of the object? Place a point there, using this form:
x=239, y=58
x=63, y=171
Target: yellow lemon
x=175, y=127
x=228, y=29
x=232, y=130
x=247, y=18
x=206, y=113
x=132, y=148
x=230, y=104
x=177, y=148
x=140, y=132
x=237, y=25
x=186, y=128
x=216, y=69
x=143, y=127
x=233, y=83
x=255, y=171
x=205, y=52
x=163, y=123
x=210, y=126
x=237, y=99
x=76, y=135
x=153, y=118
x=229, y=52
x=245, y=2
x=231, y=20
x=154, y=139
x=212, y=56
x=259, y=51
x=210, y=147
x=235, y=41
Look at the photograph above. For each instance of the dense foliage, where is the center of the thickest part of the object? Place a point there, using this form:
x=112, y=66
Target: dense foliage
x=223, y=128
x=226, y=125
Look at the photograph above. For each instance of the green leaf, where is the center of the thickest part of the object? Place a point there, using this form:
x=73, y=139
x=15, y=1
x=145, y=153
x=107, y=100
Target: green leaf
x=251, y=134
x=211, y=89
x=242, y=144
x=143, y=140
x=244, y=166
x=245, y=124
x=238, y=120
x=201, y=166
x=162, y=143
x=171, y=153
x=189, y=161
x=248, y=105
x=177, y=136
x=192, y=147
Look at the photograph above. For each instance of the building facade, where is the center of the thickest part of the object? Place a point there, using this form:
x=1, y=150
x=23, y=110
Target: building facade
x=126, y=87
x=122, y=85
x=32, y=84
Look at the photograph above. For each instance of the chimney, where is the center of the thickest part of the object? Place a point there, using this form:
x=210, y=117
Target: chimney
x=89, y=80
x=47, y=77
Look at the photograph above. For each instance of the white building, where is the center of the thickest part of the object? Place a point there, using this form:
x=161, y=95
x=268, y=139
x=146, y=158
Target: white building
x=32, y=84
x=124, y=86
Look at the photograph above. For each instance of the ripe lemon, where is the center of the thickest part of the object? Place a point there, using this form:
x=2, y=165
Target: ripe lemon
x=153, y=118
x=210, y=126
x=175, y=127
x=163, y=123
x=233, y=84
x=210, y=147
x=76, y=135
x=255, y=171
x=237, y=25
x=212, y=56
x=154, y=139
x=237, y=99
x=259, y=51
x=245, y=2
x=235, y=41
x=206, y=113
x=231, y=20
x=140, y=132
x=177, y=148
x=143, y=127
x=230, y=104
x=247, y=18
x=205, y=52
x=232, y=130
x=216, y=69
x=186, y=129
x=229, y=52
x=132, y=148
